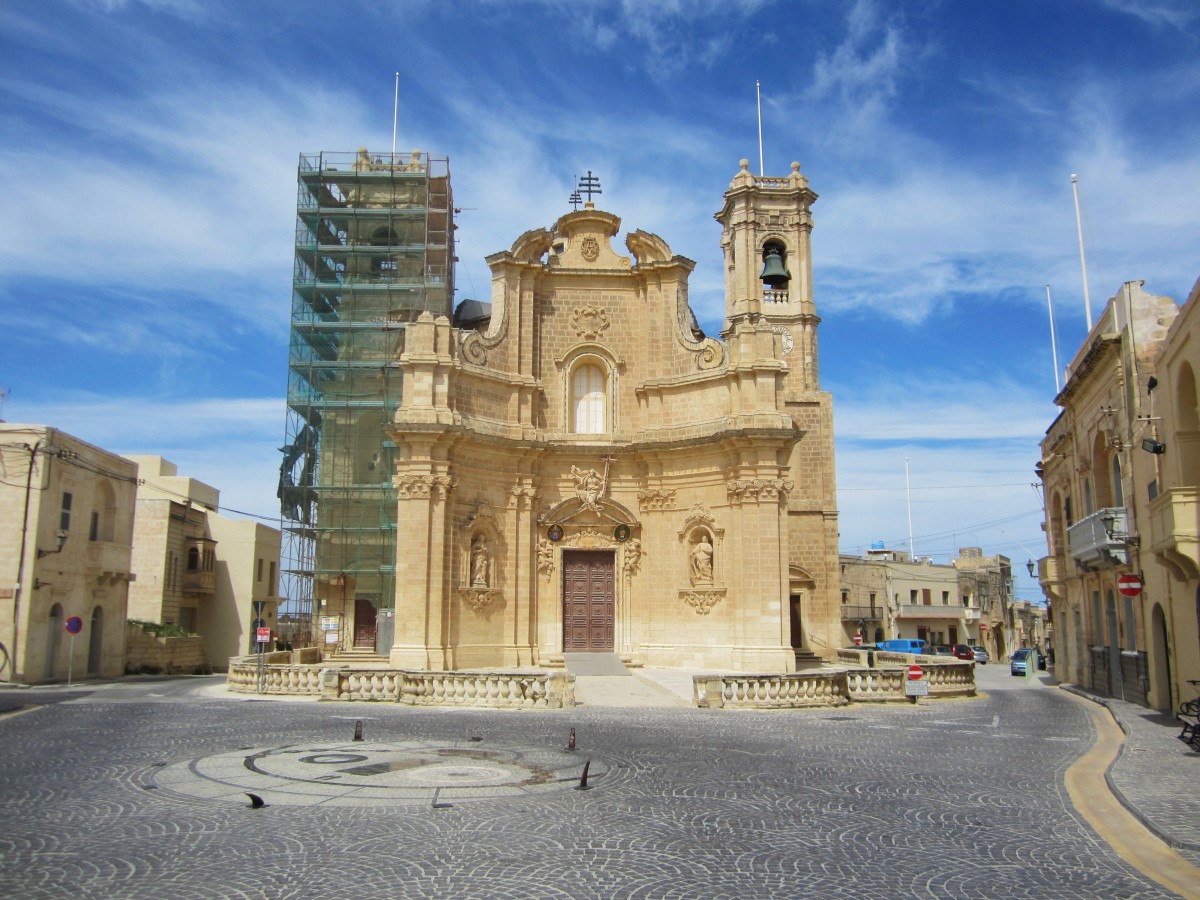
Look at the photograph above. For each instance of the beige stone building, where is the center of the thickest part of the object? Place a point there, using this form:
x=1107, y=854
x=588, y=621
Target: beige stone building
x=1103, y=479
x=198, y=569
x=1171, y=607
x=66, y=527
x=886, y=595
x=585, y=470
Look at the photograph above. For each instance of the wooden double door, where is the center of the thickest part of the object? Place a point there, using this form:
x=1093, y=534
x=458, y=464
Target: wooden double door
x=588, y=600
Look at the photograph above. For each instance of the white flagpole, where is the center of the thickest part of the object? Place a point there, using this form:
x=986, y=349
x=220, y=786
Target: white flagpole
x=1053, y=341
x=758, y=92
x=395, y=116
x=1087, y=299
x=908, y=491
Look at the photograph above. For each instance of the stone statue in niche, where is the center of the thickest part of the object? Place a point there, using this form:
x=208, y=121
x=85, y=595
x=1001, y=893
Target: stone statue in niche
x=481, y=563
x=702, y=559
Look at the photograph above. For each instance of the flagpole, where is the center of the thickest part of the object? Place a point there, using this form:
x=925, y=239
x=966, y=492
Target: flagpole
x=758, y=92
x=395, y=116
x=1053, y=341
x=1087, y=299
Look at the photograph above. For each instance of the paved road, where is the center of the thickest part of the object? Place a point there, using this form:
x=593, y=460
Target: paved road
x=130, y=792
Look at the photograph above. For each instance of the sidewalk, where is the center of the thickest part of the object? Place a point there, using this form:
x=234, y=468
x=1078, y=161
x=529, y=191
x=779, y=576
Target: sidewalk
x=1156, y=776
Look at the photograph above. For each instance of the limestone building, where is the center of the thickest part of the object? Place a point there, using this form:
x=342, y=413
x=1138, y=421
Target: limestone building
x=1101, y=475
x=579, y=468
x=66, y=527
x=1172, y=582
x=198, y=569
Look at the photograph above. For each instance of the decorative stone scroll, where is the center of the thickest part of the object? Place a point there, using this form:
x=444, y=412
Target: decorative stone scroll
x=702, y=601
x=412, y=487
x=590, y=538
x=589, y=322
x=478, y=598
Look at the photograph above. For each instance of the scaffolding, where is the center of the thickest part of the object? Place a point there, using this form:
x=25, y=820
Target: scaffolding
x=374, y=249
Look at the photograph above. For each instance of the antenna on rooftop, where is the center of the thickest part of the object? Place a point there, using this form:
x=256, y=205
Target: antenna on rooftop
x=3, y=396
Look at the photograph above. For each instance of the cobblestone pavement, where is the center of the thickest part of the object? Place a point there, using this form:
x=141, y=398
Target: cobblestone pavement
x=1157, y=776
x=954, y=798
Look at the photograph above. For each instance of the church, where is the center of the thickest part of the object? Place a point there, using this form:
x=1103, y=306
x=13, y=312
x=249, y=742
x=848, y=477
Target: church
x=579, y=468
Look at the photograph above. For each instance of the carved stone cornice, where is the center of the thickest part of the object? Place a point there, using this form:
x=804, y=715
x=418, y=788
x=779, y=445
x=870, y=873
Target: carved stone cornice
x=422, y=487
x=656, y=499
x=757, y=490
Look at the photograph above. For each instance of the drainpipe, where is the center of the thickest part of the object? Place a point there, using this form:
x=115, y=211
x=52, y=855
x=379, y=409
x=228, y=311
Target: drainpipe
x=17, y=587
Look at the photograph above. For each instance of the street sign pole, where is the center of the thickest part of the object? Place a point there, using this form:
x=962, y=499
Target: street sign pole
x=74, y=626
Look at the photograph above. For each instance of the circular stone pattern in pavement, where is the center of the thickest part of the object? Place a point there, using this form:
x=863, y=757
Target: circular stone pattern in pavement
x=360, y=773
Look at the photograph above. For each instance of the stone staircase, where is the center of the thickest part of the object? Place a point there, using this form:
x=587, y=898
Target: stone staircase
x=806, y=659
x=356, y=656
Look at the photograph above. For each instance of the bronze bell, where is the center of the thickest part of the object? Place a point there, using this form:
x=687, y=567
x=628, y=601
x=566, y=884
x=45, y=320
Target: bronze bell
x=773, y=272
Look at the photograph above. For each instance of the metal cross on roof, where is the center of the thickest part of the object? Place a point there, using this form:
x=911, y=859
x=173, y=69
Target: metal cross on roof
x=589, y=184
x=575, y=200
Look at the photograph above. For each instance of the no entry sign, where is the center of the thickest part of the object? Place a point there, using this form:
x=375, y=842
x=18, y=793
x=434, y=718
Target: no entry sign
x=1129, y=585
x=915, y=673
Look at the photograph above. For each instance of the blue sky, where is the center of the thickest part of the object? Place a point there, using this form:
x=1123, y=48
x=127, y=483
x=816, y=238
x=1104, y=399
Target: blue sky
x=150, y=148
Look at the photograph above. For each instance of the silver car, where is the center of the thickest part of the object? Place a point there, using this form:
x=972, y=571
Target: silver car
x=981, y=655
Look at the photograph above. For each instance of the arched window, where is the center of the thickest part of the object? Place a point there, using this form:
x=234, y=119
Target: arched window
x=589, y=399
x=193, y=562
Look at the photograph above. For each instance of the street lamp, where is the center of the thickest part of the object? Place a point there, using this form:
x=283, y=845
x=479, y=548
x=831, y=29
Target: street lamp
x=61, y=537
x=1031, y=565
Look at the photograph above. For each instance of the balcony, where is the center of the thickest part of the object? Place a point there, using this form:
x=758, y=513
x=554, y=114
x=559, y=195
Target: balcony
x=1051, y=574
x=1100, y=541
x=108, y=562
x=852, y=613
x=920, y=611
x=970, y=614
x=199, y=582
x=1174, y=527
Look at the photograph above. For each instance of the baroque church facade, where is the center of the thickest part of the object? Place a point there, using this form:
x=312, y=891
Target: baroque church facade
x=585, y=471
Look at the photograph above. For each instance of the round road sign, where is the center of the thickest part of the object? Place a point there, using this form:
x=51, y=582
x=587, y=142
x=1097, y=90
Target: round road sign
x=74, y=624
x=857, y=639
x=915, y=673
x=1129, y=585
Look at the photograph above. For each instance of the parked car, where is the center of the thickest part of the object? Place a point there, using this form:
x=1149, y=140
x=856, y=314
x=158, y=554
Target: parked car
x=942, y=650
x=904, y=645
x=962, y=651
x=981, y=656
x=1021, y=660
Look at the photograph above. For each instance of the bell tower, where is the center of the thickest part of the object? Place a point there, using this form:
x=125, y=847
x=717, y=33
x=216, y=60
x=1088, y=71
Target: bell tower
x=766, y=227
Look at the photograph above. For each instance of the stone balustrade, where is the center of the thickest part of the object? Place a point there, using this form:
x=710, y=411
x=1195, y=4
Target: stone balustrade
x=501, y=690
x=776, y=691
x=834, y=687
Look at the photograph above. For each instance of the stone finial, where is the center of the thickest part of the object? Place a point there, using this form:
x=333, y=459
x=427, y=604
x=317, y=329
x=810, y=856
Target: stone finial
x=743, y=177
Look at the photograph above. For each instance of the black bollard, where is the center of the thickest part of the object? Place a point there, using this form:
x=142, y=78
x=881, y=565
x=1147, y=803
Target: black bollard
x=358, y=729
x=583, y=785
x=571, y=740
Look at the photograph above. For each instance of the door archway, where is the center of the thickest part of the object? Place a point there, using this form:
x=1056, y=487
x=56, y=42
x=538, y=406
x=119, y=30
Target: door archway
x=54, y=627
